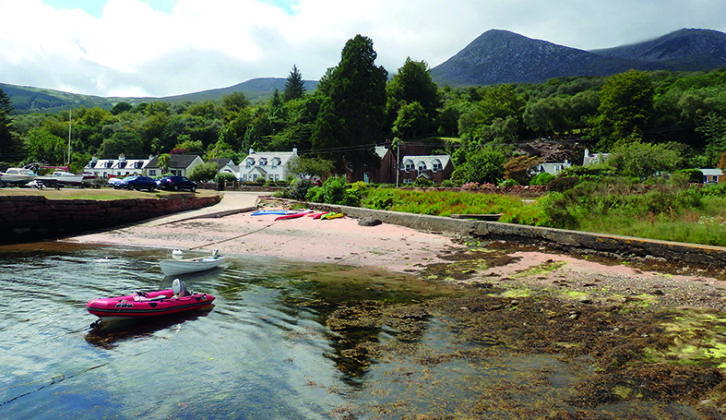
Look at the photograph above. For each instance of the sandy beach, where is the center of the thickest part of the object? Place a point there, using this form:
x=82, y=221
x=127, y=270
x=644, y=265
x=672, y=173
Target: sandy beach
x=399, y=249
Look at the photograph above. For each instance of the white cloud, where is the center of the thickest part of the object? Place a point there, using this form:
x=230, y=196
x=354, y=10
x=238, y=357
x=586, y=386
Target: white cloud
x=134, y=50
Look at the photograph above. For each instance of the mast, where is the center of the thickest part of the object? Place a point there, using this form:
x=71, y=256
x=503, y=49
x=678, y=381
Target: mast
x=70, y=118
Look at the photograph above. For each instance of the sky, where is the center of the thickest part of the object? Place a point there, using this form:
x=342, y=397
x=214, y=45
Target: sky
x=157, y=48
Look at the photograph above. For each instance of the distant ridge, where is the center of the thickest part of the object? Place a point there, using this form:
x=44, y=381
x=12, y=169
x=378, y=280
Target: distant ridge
x=685, y=49
x=499, y=56
x=27, y=99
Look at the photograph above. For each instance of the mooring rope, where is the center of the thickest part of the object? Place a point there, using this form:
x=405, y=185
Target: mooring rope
x=232, y=238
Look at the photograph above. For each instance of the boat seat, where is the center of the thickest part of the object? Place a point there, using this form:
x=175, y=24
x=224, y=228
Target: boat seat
x=179, y=289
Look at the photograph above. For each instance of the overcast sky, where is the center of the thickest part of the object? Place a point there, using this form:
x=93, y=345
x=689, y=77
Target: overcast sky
x=169, y=47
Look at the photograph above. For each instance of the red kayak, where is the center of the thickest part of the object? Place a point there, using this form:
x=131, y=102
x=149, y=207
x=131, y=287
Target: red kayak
x=294, y=215
x=152, y=304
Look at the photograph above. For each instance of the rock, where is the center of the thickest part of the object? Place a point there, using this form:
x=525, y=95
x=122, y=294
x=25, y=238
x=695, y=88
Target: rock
x=369, y=221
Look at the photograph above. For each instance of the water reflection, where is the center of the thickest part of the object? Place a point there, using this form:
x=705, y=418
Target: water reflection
x=106, y=333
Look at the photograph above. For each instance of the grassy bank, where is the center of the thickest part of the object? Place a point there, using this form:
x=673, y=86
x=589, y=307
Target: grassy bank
x=663, y=212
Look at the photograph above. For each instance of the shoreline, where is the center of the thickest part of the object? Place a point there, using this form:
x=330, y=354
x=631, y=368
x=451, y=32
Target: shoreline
x=432, y=255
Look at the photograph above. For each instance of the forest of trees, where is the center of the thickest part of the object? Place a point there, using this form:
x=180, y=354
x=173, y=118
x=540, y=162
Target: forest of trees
x=676, y=118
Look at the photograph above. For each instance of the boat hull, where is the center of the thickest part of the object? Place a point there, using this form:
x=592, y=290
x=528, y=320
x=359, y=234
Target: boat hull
x=155, y=304
x=175, y=267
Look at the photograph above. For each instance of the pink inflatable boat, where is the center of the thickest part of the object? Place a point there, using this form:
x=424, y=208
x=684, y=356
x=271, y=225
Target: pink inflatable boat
x=152, y=304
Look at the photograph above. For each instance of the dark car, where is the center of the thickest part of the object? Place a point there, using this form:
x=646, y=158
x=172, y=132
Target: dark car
x=137, y=183
x=176, y=183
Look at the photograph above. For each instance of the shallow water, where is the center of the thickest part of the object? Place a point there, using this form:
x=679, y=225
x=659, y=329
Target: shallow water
x=250, y=357
x=262, y=352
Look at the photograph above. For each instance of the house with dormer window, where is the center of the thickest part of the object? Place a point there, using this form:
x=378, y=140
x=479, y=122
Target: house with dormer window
x=432, y=167
x=116, y=168
x=271, y=166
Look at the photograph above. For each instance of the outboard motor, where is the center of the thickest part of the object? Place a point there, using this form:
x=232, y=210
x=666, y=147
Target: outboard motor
x=178, y=288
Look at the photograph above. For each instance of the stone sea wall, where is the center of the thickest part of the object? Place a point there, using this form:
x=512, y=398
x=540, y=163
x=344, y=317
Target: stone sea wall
x=566, y=240
x=33, y=218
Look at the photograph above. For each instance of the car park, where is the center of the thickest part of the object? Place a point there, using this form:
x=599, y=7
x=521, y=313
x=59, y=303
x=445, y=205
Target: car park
x=137, y=183
x=176, y=183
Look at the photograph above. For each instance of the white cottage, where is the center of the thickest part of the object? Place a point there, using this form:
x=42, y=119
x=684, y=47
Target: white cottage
x=271, y=166
x=116, y=168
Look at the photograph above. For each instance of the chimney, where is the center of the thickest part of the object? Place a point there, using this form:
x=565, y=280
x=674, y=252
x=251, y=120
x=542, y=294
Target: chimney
x=252, y=151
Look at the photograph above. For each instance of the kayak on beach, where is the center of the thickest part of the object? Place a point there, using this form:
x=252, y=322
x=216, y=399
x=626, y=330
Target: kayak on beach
x=331, y=216
x=318, y=215
x=293, y=215
x=266, y=212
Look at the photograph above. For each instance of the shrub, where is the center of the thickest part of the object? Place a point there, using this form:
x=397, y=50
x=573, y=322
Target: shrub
x=508, y=183
x=423, y=182
x=541, y=179
x=562, y=183
x=299, y=190
x=224, y=176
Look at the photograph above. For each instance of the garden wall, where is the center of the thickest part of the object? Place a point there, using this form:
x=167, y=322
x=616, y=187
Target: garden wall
x=33, y=218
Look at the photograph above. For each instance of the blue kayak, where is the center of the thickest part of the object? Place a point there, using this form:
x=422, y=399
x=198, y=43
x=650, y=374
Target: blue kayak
x=264, y=212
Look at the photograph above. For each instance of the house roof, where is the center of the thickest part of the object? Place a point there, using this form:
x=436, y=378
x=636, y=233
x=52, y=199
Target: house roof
x=429, y=160
x=177, y=161
x=283, y=156
x=712, y=172
x=222, y=162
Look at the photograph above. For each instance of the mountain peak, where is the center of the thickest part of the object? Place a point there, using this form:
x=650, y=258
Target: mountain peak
x=500, y=56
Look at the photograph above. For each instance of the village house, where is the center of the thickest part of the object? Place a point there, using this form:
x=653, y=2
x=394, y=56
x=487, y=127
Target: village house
x=179, y=165
x=226, y=165
x=553, y=168
x=115, y=168
x=591, y=158
x=388, y=171
x=271, y=166
x=711, y=176
x=435, y=168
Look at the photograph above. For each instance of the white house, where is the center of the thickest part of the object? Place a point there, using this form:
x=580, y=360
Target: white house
x=711, y=176
x=178, y=165
x=594, y=157
x=121, y=167
x=226, y=165
x=553, y=168
x=268, y=165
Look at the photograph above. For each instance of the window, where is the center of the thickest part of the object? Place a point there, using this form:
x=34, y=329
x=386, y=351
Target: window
x=421, y=166
x=263, y=162
x=408, y=163
x=275, y=162
x=152, y=172
x=250, y=163
x=437, y=165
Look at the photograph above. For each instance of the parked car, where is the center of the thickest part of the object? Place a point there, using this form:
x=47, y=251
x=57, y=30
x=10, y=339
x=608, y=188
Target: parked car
x=113, y=182
x=137, y=183
x=176, y=183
